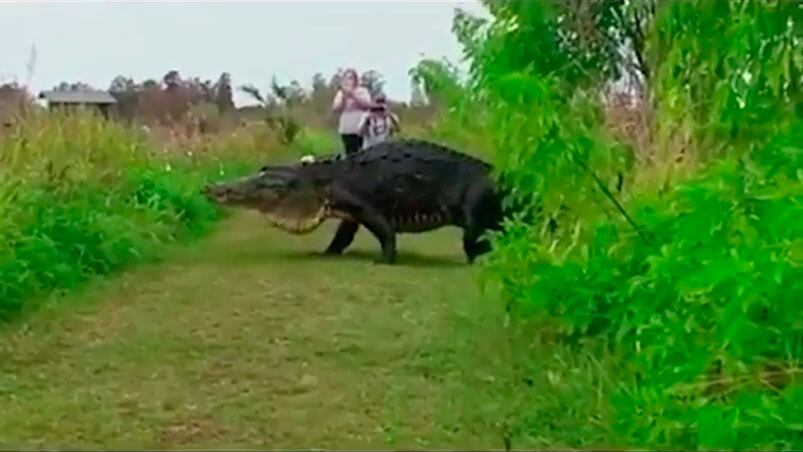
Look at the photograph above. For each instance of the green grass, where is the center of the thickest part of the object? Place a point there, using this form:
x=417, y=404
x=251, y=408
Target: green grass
x=82, y=197
x=254, y=339
x=251, y=338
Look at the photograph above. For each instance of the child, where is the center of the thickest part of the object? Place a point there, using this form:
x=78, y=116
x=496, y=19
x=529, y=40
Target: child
x=378, y=123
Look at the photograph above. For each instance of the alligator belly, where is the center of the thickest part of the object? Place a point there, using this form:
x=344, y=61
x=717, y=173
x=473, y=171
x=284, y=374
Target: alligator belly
x=419, y=223
x=340, y=215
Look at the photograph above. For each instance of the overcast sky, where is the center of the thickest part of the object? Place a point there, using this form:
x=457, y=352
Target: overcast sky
x=93, y=42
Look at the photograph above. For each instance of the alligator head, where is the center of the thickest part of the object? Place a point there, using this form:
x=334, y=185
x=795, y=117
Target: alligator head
x=290, y=198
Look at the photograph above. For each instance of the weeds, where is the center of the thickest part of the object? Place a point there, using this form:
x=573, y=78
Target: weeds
x=80, y=196
x=698, y=317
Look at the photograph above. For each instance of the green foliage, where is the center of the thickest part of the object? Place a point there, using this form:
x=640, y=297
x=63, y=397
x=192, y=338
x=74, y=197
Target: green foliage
x=439, y=80
x=584, y=41
x=713, y=317
x=80, y=197
x=457, y=116
x=315, y=142
x=694, y=285
x=287, y=127
x=731, y=71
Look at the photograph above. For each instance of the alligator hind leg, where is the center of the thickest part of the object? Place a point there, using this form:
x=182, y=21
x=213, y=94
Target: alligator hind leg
x=346, y=231
x=473, y=245
x=380, y=228
x=483, y=212
x=368, y=217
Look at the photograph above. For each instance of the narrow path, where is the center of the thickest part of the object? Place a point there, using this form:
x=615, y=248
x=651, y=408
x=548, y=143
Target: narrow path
x=253, y=339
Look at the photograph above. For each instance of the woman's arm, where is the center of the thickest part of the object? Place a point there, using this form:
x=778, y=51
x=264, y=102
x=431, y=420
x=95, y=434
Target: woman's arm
x=362, y=98
x=339, y=102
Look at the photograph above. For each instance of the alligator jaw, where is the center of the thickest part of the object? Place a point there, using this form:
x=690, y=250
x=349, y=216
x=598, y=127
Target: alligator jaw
x=298, y=225
x=295, y=226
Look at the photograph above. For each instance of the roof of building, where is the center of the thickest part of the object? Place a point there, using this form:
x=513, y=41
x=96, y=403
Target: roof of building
x=78, y=97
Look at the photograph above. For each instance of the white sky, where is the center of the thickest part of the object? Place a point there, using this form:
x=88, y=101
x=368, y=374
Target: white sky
x=93, y=42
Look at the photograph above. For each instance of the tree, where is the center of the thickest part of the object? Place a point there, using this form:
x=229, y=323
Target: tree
x=13, y=96
x=76, y=86
x=198, y=90
x=127, y=93
x=436, y=81
x=223, y=93
x=172, y=80
x=585, y=42
x=290, y=95
x=176, y=98
x=334, y=81
x=277, y=113
x=373, y=81
x=256, y=94
x=417, y=98
x=296, y=93
x=319, y=85
x=122, y=84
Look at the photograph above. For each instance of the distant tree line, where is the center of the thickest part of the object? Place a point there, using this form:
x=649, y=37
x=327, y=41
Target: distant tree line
x=174, y=99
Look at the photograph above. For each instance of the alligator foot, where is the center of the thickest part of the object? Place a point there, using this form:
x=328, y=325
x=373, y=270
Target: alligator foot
x=386, y=259
x=474, y=247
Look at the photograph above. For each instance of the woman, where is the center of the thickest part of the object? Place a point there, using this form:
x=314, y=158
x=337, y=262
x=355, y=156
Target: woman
x=351, y=102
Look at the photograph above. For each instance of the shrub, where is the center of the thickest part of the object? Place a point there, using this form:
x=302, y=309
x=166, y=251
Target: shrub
x=80, y=196
x=685, y=267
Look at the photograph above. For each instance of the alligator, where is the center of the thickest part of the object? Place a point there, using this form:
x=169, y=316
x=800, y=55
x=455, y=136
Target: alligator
x=397, y=186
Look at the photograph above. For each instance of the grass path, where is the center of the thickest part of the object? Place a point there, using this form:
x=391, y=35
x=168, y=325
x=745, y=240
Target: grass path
x=253, y=339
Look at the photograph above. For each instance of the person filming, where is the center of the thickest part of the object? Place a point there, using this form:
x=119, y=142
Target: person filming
x=378, y=123
x=351, y=102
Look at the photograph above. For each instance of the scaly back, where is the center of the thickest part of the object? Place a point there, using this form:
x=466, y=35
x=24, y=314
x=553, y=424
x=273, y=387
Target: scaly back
x=412, y=150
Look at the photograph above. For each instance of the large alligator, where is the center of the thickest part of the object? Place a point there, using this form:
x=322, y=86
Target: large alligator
x=399, y=186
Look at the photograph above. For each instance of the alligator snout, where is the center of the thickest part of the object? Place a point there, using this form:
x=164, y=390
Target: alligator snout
x=216, y=192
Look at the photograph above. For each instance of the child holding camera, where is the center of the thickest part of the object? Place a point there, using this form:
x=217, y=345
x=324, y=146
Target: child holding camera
x=378, y=123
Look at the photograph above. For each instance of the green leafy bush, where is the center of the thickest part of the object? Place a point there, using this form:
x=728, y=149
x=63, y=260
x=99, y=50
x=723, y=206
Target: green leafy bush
x=684, y=267
x=706, y=315
x=80, y=197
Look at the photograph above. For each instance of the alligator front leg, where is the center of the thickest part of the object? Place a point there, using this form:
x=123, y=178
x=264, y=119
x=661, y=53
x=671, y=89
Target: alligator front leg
x=346, y=231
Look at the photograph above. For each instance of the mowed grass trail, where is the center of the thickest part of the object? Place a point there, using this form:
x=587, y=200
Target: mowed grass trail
x=254, y=339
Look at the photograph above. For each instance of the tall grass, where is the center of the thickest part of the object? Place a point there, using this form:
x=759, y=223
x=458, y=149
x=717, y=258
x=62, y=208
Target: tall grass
x=80, y=196
x=677, y=265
